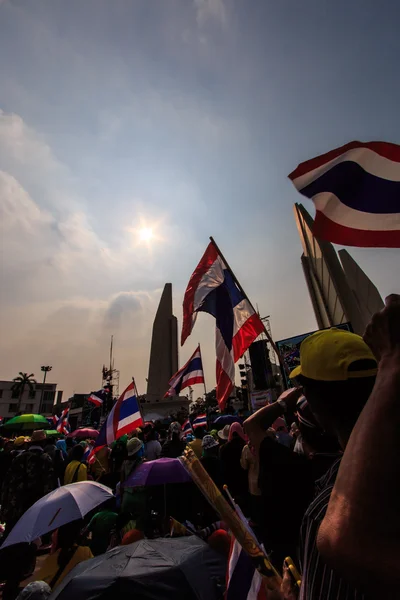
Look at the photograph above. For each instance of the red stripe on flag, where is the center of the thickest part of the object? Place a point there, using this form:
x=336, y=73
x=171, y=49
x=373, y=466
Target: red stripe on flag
x=192, y=381
x=208, y=258
x=246, y=335
x=326, y=229
x=224, y=386
x=385, y=149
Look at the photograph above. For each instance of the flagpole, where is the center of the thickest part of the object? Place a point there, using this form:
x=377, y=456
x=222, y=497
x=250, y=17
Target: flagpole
x=204, y=379
x=235, y=279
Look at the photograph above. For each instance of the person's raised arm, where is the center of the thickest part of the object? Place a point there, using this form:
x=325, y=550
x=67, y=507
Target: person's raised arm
x=360, y=534
x=256, y=426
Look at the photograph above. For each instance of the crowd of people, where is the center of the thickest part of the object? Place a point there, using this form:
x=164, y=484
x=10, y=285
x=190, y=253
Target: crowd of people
x=313, y=472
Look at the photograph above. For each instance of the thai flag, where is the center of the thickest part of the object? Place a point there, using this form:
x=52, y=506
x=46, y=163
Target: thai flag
x=187, y=427
x=200, y=421
x=356, y=192
x=98, y=398
x=189, y=374
x=244, y=582
x=213, y=289
x=123, y=418
x=63, y=424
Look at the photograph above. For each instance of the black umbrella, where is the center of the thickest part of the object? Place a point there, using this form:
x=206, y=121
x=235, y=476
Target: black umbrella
x=160, y=569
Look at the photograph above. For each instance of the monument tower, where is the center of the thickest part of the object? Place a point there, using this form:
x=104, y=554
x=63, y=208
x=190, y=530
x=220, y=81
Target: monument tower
x=164, y=348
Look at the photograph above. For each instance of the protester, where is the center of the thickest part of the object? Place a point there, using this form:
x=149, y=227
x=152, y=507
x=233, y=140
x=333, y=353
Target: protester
x=249, y=463
x=30, y=477
x=173, y=446
x=358, y=536
x=210, y=459
x=101, y=465
x=56, y=456
x=133, y=499
x=234, y=476
x=100, y=527
x=75, y=470
x=20, y=445
x=337, y=371
x=196, y=444
x=223, y=434
x=69, y=553
x=62, y=445
x=6, y=459
x=152, y=447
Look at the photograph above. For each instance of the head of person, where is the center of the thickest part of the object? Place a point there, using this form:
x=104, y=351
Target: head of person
x=19, y=442
x=67, y=536
x=174, y=431
x=131, y=536
x=220, y=541
x=199, y=433
x=209, y=445
x=8, y=446
x=39, y=438
x=134, y=448
x=236, y=432
x=76, y=453
x=314, y=438
x=223, y=434
x=337, y=371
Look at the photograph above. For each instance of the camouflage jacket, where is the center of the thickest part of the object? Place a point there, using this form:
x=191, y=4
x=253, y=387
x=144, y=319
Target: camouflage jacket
x=30, y=477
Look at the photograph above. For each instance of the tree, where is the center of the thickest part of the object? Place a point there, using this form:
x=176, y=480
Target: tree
x=211, y=398
x=20, y=383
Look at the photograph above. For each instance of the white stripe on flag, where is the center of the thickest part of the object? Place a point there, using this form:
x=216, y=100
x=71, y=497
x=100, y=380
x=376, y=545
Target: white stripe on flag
x=128, y=420
x=210, y=280
x=339, y=213
x=192, y=374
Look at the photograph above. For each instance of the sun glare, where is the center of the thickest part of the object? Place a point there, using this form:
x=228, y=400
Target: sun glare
x=145, y=234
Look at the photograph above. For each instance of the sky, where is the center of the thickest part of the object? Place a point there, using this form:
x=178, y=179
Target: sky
x=184, y=116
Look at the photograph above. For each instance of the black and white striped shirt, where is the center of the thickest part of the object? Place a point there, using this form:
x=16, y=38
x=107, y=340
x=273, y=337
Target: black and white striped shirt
x=320, y=582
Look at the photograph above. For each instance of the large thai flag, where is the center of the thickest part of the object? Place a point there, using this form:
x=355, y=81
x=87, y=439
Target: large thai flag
x=356, y=192
x=244, y=582
x=212, y=289
x=189, y=374
x=124, y=417
x=200, y=421
x=98, y=398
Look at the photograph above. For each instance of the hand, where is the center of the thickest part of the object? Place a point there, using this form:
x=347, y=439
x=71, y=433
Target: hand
x=291, y=396
x=383, y=332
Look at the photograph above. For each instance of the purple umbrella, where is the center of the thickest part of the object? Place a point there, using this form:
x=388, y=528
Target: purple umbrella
x=158, y=472
x=226, y=420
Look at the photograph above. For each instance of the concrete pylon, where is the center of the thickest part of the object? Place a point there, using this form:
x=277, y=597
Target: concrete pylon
x=164, y=348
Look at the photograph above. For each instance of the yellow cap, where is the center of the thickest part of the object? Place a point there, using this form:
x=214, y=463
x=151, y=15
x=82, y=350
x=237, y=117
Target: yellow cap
x=326, y=356
x=19, y=441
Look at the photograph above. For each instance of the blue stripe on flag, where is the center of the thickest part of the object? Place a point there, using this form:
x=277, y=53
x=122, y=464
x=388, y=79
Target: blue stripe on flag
x=128, y=407
x=357, y=189
x=241, y=579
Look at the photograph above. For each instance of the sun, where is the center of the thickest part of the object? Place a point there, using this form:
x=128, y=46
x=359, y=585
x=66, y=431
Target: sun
x=146, y=234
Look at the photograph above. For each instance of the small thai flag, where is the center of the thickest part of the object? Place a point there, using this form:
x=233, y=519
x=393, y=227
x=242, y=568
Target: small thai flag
x=190, y=374
x=244, y=582
x=200, y=421
x=187, y=427
x=124, y=417
x=63, y=424
x=98, y=398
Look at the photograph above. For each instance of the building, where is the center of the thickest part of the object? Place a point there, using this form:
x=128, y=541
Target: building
x=164, y=348
x=340, y=292
x=31, y=402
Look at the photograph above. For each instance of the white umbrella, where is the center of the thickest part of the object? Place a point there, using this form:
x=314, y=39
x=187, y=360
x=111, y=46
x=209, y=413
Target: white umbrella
x=63, y=505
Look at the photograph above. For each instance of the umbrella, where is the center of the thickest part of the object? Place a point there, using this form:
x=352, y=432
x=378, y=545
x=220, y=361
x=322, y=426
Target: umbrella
x=25, y=422
x=52, y=432
x=158, y=472
x=226, y=420
x=166, y=568
x=61, y=506
x=84, y=432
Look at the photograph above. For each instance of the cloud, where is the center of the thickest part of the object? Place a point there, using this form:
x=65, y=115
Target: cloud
x=213, y=11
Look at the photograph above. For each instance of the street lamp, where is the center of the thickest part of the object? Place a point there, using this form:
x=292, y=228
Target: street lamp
x=45, y=370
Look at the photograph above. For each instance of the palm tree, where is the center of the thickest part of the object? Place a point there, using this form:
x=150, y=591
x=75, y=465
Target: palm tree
x=20, y=383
